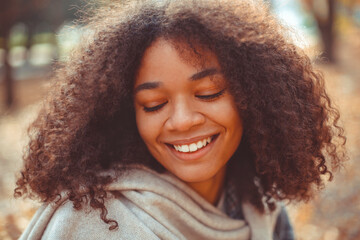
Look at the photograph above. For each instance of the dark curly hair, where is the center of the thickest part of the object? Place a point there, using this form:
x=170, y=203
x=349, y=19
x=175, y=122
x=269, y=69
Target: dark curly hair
x=87, y=124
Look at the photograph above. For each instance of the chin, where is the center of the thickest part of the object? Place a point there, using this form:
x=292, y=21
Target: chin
x=195, y=175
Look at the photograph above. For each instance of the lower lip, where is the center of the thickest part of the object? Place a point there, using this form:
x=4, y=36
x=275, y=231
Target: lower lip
x=191, y=156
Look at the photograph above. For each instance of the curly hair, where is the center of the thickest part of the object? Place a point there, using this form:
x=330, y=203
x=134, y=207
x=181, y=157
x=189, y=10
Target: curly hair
x=87, y=124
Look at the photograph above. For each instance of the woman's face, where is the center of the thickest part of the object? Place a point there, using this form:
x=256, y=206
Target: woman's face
x=184, y=112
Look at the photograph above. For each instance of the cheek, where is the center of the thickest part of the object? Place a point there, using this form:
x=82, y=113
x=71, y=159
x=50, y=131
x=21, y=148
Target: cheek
x=234, y=122
x=226, y=114
x=148, y=127
x=229, y=118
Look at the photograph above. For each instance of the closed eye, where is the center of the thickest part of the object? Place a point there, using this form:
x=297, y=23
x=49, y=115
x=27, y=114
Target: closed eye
x=203, y=97
x=212, y=96
x=155, y=108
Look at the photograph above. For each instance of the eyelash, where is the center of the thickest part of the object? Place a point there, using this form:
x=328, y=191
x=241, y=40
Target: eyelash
x=202, y=97
x=154, y=109
x=212, y=96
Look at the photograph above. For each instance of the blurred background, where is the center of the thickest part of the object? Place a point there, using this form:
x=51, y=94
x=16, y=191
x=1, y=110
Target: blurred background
x=36, y=33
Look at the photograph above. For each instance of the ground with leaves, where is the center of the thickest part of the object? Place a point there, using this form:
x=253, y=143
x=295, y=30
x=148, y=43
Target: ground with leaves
x=333, y=215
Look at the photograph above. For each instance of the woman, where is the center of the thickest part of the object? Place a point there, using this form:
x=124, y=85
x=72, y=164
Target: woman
x=179, y=120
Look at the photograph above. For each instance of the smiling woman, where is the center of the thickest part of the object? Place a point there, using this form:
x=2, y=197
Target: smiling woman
x=180, y=120
x=187, y=119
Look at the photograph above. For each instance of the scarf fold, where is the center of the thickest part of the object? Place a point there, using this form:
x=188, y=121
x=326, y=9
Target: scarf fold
x=149, y=205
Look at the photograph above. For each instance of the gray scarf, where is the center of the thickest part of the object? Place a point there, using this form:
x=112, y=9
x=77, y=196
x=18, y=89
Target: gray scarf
x=149, y=205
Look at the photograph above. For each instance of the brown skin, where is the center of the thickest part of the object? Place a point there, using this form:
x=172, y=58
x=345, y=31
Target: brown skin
x=291, y=136
x=211, y=189
x=180, y=109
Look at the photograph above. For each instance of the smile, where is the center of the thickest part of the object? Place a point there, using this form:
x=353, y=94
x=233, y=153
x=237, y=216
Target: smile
x=192, y=150
x=193, y=147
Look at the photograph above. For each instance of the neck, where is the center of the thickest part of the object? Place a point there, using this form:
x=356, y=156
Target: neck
x=210, y=189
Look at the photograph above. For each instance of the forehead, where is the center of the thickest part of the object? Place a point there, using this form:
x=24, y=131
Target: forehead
x=166, y=58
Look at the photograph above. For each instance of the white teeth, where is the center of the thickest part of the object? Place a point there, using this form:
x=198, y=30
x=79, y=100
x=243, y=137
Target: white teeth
x=184, y=148
x=193, y=147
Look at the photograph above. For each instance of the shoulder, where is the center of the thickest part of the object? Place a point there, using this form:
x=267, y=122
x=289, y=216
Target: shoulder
x=62, y=221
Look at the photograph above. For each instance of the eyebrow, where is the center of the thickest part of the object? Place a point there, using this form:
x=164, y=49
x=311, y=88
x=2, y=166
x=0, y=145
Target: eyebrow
x=204, y=73
x=197, y=76
x=147, y=85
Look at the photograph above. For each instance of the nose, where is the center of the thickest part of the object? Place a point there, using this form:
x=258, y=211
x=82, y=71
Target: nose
x=184, y=116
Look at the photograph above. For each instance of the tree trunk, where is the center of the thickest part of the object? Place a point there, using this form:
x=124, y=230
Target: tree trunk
x=326, y=29
x=8, y=81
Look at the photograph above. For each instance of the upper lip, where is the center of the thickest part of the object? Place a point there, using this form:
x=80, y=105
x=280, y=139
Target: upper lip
x=187, y=141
